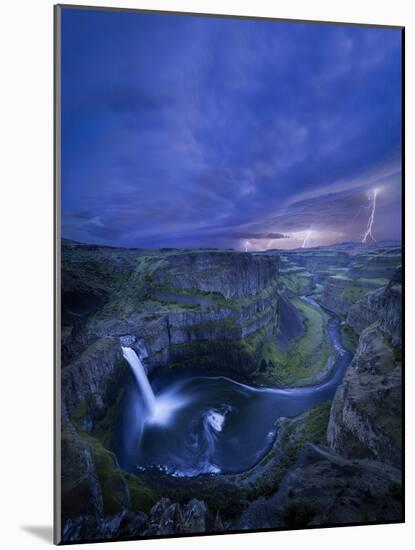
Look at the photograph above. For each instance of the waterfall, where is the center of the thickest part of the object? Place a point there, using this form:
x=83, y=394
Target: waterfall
x=141, y=378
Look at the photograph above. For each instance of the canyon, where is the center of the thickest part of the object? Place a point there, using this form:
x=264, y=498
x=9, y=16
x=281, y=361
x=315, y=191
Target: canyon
x=265, y=321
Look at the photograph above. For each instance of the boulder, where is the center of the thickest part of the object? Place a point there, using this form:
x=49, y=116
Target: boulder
x=324, y=488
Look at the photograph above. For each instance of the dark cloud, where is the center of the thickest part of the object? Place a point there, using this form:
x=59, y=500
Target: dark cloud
x=255, y=236
x=196, y=131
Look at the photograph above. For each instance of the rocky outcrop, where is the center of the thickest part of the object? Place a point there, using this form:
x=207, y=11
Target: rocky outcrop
x=296, y=281
x=383, y=306
x=94, y=528
x=240, y=299
x=365, y=418
x=232, y=274
x=214, y=309
x=80, y=483
x=165, y=518
x=324, y=488
x=91, y=381
x=376, y=265
x=92, y=482
x=236, y=298
x=341, y=292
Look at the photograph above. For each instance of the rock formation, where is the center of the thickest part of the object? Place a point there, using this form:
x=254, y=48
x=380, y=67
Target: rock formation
x=365, y=418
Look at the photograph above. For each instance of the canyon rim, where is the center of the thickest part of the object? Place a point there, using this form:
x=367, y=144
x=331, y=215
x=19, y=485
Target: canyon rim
x=230, y=276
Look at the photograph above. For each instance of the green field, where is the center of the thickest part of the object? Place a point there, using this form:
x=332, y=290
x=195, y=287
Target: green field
x=305, y=357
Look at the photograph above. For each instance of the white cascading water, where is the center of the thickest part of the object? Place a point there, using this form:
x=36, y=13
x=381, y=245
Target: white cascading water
x=160, y=409
x=141, y=378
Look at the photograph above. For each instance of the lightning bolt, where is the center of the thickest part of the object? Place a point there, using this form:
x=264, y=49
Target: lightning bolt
x=306, y=238
x=246, y=246
x=368, y=233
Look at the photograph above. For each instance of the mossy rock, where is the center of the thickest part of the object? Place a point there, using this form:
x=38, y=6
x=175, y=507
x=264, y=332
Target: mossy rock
x=349, y=338
x=111, y=478
x=142, y=498
x=304, y=358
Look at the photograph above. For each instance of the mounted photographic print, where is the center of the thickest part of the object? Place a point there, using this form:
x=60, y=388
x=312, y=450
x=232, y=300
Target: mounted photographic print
x=228, y=274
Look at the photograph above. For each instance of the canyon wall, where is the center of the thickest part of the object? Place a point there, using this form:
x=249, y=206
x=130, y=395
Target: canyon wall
x=365, y=418
x=206, y=308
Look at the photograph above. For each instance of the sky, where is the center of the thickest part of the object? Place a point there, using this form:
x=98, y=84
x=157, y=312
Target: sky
x=184, y=131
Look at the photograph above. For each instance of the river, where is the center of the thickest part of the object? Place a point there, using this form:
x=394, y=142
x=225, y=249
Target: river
x=213, y=424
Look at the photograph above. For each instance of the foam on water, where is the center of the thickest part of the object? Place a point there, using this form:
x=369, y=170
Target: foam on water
x=212, y=424
x=215, y=420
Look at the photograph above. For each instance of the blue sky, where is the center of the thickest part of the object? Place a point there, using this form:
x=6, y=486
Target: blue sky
x=191, y=132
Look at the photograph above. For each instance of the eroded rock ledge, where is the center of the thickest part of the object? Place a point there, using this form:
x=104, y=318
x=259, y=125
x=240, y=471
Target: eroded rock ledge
x=365, y=418
x=208, y=307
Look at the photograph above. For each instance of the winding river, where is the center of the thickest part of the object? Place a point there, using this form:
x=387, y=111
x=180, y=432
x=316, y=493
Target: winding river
x=208, y=424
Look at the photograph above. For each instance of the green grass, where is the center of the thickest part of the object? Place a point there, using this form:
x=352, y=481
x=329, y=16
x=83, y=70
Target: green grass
x=76, y=450
x=138, y=295
x=357, y=289
x=353, y=294
x=311, y=427
x=305, y=357
x=137, y=290
x=79, y=414
x=142, y=498
x=296, y=281
x=104, y=430
x=242, y=355
x=375, y=281
x=110, y=477
x=349, y=338
x=115, y=482
x=315, y=423
x=264, y=479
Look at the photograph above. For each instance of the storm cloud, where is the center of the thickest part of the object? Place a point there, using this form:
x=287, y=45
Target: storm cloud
x=192, y=131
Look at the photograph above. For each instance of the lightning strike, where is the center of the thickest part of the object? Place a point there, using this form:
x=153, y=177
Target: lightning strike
x=306, y=238
x=368, y=233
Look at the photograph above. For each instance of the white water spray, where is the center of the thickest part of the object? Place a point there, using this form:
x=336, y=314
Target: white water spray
x=160, y=409
x=141, y=378
x=306, y=238
x=368, y=233
x=216, y=420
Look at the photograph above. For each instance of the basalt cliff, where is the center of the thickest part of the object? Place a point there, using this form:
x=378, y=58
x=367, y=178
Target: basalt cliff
x=209, y=309
x=261, y=319
x=205, y=310
x=365, y=419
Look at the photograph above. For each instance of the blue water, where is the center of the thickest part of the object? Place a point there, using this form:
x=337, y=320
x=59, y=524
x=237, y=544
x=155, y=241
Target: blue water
x=208, y=424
